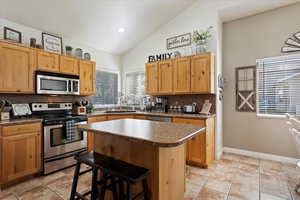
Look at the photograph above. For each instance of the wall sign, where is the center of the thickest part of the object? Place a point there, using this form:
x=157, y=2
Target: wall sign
x=52, y=43
x=12, y=35
x=245, y=78
x=293, y=44
x=159, y=57
x=179, y=41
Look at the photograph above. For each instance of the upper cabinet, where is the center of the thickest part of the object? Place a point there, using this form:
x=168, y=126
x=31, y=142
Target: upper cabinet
x=182, y=75
x=165, y=77
x=185, y=75
x=152, y=78
x=202, y=73
x=87, y=77
x=47, y=61
x=17, y=66
x=69, y=65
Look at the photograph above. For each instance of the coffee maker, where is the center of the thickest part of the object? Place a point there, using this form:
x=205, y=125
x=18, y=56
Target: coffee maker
x=161, y=104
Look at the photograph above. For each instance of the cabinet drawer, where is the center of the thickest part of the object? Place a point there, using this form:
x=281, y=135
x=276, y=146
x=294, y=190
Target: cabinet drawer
x=19, y=129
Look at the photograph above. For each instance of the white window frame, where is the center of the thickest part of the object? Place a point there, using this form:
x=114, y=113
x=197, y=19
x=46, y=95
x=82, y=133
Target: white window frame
x=119, y=88
x=270, y=59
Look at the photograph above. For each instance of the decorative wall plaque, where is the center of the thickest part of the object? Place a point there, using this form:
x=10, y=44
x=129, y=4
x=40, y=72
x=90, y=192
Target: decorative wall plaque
x=179, y=41
x=245, y=89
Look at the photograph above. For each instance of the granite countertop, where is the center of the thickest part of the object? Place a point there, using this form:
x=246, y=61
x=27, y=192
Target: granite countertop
x=163, y=134
x=161, y=114
x=20, y=121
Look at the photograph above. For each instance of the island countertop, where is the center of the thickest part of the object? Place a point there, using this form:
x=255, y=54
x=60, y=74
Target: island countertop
x=163, y=134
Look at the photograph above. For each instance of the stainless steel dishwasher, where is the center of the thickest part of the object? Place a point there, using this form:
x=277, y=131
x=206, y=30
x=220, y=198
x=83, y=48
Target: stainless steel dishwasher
x=160, y=119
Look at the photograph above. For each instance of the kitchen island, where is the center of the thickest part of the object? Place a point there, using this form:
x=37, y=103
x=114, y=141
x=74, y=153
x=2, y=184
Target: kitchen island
x=158, y=146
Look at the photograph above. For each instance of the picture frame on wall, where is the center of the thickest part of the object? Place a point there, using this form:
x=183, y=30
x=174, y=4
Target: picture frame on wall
x=12, y=35
x=52, y=43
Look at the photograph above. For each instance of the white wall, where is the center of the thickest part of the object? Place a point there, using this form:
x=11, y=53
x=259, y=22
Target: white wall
x=104, y=60
x=200, y=15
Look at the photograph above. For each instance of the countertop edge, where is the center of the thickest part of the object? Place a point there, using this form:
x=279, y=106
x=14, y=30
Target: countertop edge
x=139, y=140
x=11, y=122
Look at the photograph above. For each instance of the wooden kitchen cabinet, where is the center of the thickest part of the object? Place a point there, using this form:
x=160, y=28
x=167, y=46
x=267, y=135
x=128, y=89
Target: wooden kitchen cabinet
x=91, y=136
x=114, y=117
x=47, y=61
x=200, y=149
x=152, y=78
x=185, y=75
x=87, y=73
x=20, y=152
x=182, y=75
x=69, y=65
x=165, y=77
x=17, y=66
x=140, y=117
x=202, y=73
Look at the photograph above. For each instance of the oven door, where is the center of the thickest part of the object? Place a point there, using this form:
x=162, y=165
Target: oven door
x=55, y=143
x=52, y=85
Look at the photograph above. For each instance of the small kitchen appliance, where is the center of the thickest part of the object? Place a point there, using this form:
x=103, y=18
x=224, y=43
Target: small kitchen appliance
x=161, y=104
x=80, y=107
x=54, y=83
x=62, y=139
x=190, y=108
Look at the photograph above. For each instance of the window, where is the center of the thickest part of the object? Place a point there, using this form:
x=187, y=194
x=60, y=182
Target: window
x=135, y=87
x=278, y=85
x=106, y=88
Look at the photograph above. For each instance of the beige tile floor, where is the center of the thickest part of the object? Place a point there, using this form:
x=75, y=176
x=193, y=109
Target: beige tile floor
x=233, y=177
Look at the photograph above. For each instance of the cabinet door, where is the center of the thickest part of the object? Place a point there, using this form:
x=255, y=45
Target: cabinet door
x=202, y=73
x=17, y=65
x=87, y=77
x=91, y=144
x=210, y=140
x=151, y=78
x=21, y=155
x=165, y=77
x=47, y=61
x=69, y=65
x=182, y=75
x=196, y=147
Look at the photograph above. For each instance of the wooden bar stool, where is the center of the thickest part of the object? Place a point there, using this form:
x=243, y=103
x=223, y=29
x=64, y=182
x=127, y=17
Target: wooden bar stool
x=130, y=175
x=95, y=161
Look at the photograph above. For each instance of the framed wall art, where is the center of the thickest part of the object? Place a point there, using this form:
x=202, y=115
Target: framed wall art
x=245, y=78
x=12, y=35
x=179, y=41
x=52, y=43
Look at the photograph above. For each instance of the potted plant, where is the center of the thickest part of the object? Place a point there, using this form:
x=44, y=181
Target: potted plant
x=69, y=50
x=201, y=37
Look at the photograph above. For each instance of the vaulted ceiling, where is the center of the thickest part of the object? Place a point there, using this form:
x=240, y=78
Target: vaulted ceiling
x=96, y=22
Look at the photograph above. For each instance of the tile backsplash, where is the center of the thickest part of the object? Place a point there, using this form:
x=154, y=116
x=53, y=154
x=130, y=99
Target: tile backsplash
x=28, y=98
x=190, y=98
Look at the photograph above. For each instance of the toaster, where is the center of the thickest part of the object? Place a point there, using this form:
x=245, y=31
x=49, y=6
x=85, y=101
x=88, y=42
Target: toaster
x=190, y=108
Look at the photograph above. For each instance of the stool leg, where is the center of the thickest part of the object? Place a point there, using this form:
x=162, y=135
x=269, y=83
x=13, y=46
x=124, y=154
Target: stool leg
x=94, y=184
x=129, y=191
x=114, y=189
x=75, y=180
x=121, y=190
x=103, y=187
x=145, y=189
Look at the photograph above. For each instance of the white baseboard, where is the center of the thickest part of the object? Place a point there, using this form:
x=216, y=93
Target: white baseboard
x=260, y=155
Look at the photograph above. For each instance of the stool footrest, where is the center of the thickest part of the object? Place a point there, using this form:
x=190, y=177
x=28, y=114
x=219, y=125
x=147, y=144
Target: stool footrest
x=85, y=171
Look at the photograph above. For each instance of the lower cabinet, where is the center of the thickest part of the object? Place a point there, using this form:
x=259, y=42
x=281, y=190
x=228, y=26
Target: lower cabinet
x=90, y=136
x=140, y=117
x=20, y=151
x=113, y=117
x=201, y=149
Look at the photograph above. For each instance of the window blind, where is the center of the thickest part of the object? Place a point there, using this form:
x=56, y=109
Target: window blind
x=106, y=88
x=135, y=87
x=278, y=85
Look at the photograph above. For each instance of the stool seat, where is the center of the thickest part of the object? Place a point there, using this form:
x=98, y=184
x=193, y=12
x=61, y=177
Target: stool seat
x=114, y=167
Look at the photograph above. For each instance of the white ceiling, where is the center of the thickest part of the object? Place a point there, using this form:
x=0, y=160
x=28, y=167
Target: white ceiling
x=96, y=22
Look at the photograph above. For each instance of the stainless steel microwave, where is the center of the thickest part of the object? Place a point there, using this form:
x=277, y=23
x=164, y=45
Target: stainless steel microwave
x=54, y=83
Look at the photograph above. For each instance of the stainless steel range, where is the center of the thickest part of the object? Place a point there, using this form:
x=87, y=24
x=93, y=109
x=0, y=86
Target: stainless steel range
x=61, y=138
